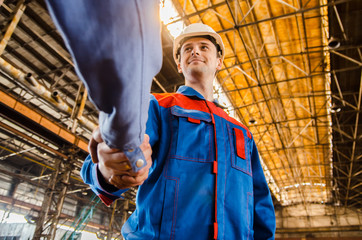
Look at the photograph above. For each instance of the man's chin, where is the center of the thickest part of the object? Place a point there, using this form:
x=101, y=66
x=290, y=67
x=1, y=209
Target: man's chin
x=197, y=70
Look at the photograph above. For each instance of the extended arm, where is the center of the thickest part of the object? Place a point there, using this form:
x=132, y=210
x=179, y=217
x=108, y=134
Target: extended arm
x=116, y=48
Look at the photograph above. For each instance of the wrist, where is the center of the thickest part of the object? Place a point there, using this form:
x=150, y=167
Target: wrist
x=104, y=183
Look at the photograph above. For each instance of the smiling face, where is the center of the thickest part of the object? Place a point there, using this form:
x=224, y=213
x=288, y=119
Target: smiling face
x=199, y=58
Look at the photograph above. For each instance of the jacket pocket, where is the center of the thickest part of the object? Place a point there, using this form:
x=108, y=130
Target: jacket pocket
x=192, y=135
x=169, y=210
x=240, y=149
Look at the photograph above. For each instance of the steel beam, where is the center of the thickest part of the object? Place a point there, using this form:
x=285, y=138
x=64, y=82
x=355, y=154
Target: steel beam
x=19, y=10
x=236, y=27
x=352, y=159
x=23, y=135
x=186, y=17
x=159, y=85
x=347, y=57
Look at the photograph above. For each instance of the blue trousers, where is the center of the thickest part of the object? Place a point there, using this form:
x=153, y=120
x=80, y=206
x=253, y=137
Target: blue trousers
x=116, y=48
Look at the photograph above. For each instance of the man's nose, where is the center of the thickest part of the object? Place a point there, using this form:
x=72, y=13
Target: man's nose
x=195, y=51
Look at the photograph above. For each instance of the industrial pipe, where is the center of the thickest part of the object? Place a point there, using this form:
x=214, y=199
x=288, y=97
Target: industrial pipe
x=32, y=84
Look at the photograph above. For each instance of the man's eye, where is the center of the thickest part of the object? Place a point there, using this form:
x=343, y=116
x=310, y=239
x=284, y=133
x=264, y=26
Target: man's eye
x=204, y=47
x=187, y=49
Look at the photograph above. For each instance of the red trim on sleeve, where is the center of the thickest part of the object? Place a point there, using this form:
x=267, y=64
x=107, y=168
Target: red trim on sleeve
x=240, y=143
x=105, y=199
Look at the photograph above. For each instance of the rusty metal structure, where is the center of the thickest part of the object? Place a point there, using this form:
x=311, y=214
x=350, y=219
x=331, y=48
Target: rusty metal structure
x=292, y=74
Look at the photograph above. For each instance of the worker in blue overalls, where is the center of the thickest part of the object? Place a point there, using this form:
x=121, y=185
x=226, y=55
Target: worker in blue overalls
x=205, y=180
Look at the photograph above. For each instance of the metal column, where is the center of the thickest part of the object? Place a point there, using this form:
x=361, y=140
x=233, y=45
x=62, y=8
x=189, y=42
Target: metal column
x=49, y=216
x=41, y=224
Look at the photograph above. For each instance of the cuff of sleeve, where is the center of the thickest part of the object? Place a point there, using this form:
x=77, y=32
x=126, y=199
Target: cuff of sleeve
x=136, y=158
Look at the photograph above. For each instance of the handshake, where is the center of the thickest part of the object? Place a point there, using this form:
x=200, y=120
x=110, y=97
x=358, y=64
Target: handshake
x=115, y=166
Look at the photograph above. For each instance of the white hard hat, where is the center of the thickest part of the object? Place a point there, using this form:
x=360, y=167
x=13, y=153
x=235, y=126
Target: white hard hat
x=194, y=30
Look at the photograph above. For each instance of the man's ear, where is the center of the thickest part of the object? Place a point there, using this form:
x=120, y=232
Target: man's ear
x=179, y=68
x=219, y=63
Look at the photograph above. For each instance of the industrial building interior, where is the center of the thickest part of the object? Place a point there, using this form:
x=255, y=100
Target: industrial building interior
x=292, y=74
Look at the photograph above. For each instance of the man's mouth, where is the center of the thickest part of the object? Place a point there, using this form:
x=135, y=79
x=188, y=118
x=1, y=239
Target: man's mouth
x=195, y=60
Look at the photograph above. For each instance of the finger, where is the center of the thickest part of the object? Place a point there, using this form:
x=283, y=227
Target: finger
x=113, y=158
x=123, y=167
x=92, y=148
x=119, y=183
x=132, y=181
x=146, y=143
x=146, y=138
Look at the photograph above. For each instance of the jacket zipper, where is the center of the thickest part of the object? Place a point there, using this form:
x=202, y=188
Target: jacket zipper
x=214, y=169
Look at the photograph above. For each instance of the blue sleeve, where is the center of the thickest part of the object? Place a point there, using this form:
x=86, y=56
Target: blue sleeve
x=264, y=215
x=116, y=48
x=90, y=175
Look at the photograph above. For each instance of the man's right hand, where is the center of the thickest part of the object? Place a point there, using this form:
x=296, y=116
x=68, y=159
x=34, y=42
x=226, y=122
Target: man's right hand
x=114, y=165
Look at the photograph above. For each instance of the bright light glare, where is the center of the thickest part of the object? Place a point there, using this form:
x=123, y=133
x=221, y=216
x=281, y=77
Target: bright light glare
x=85, y=234
x=168, y=13
x=224, y=101
x=88, y=236
x=12, y=217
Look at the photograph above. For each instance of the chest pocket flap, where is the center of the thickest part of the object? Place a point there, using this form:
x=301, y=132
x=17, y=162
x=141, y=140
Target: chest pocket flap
x=191, y=114
x=192, y=132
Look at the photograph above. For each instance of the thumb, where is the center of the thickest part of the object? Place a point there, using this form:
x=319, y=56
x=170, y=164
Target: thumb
x=93, y=144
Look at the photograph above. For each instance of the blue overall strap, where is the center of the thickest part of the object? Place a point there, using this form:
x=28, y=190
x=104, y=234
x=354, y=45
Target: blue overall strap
x=116, y=48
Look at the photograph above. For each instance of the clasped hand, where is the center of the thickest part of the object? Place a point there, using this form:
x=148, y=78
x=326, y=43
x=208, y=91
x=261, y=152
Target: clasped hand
x=115, y=166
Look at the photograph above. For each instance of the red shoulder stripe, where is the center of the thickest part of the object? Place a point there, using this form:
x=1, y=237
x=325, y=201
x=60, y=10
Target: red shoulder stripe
x=168, y=100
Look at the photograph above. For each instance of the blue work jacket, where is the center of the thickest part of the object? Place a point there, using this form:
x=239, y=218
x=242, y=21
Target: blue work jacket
x=206, y=180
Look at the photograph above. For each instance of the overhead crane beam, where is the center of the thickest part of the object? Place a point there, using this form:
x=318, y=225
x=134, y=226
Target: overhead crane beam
x=25, y=115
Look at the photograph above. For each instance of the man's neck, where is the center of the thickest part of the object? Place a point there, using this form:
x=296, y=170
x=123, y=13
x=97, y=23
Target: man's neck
x=205, y=89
